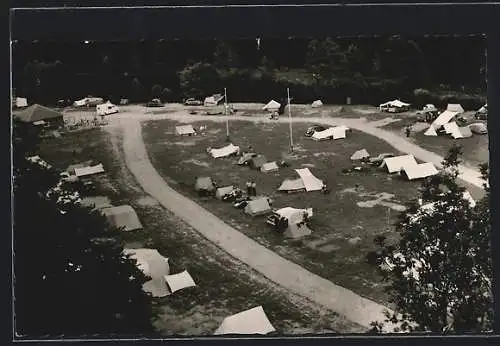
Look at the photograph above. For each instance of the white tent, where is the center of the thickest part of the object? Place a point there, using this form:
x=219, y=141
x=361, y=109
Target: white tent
x=179, y=281
x=21, y=102
x=455, y=107
x=360, y=155
x=483, y=109
x=252, y=321
x=317, y=104
x=258, y=206
x=123, y=216
x=465, y=131
x=269, y=167
x=431, y=131
x=154, y=265
x=420, y=171
x=228, y=150
x=397, y=163
x=336, y=132
x=394, y=104
x=296, y=226
x=272, y=106
x=222, y=191
x=452, y=129
x=184, y=130
x=89, y=170
x=444, y=118
x=311, y=183
x=290, y=185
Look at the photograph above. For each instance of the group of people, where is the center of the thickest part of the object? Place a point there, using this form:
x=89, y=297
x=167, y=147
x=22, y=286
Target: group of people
x=251, y=188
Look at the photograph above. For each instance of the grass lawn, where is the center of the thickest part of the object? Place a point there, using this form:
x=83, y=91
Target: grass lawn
x=343, y=230
x=224, y=287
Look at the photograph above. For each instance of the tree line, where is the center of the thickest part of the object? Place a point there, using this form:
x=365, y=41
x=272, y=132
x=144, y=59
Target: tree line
x=368, y=70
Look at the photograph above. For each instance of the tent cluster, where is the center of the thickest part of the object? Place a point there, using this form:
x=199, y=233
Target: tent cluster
x=408, y=167
x=443, y=123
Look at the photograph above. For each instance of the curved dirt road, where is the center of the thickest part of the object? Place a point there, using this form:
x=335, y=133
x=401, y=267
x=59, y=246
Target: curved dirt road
x=279, y=270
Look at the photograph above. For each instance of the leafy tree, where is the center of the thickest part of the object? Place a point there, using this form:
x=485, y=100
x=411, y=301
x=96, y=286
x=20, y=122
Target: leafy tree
x=440, y=272
x=70, y=277
x=225, y=56
x=138, y=92
x=326, y=60
x=199, y=79
x=156, y=91
x=166, y=95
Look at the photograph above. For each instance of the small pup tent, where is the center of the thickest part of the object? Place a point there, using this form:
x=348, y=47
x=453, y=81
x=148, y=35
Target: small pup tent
x=154, y=265
x=397, y=163
x=179, y=281
x=257, y=162
x=452, y=129
x=96, y=202
x=252, y=321
x=71, y=168
x=124, y=217
x=228, y=150
x=337, y=132
x=269, y=167
x=90, y=170
x=317, y=104
x=360, y=155
x=420, y=171
x=258, y=206
x=297, y=227
x=184, y=130
x=431, y=131
x=292, y=185
x=307, y=181
x=223, y=191
x=455, y=107
x=106, y=108
x=21, y=102
x=204, y=186
x=272, y=106
x=444, y=118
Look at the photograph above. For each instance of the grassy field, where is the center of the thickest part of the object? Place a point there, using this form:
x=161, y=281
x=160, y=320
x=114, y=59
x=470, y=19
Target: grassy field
x=345, y=222
x=224, y=287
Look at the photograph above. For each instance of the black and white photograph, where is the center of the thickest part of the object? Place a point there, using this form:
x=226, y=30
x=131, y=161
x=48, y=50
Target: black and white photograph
x=277, y=186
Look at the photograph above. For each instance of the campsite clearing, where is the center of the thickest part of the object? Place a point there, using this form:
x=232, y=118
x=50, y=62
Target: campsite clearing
x=224, y=285
x=337, y=218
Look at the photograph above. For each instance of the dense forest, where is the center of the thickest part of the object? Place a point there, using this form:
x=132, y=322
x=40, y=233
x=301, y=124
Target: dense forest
x=368, y=70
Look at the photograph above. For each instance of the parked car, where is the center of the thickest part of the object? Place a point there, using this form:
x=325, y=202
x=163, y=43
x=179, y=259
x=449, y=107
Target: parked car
x=154, y=103
x=192, y=102
x=316, y=128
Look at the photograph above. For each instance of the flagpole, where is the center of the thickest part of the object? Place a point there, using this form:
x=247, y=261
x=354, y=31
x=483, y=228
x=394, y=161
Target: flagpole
x=227, y=115
x=290, y=119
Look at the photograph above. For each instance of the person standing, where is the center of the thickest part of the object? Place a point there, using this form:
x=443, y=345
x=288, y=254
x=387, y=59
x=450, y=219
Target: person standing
x=408, y=131
x=248, y=185
x=254, y=188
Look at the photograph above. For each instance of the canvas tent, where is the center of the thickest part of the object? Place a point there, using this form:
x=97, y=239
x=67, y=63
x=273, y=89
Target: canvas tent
x=257, y=162
x=21, y=102
x=360, y=155
x=36, y=113
x=179, y=281
x=96, y=202
x=296, y=221
x=395, y=104
x=452, y=129
x=337, y=132
x=123, y=216
x=213, y=100
x=269, y=167
x=483, y=109
x=420, y=171
x=245, y=158
x=184, y=130
x=222, y=191
x=431, y=131
x=272, y=106
x=252, y=321
x=90, y=170
x=317, y=104
x=228, y=150
x=153, y=265
x=292, y=185
x=444, y=118
x=204, y=185
x=397, y=163
x=71, y=168
x=311, y=183
x=258, y=206
x=465, y=131
x=455, y=107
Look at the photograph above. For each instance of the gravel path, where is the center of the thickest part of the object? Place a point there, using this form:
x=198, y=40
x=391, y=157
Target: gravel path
x=281, y=271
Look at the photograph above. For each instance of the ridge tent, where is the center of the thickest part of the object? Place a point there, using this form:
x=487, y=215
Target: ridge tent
x=420, y=171
x=465, y=131
x=455, y=107
x=154, y=265
x=71, y=168
x=272, y=106
x=360, y=155
x=397, y=163
x=179, y=281
x=336, y=132
x=443, y=118
x=317, y=104
x=269, y=167
x=228, y=150
x=258, y=206
x=182, y=130
x=123, y=216
x=430, y=131
x=257, y=162
x=204, y=185
x=37, y=112
x=96, y=202
x=245, y=158
x=452, y=129
x=292, y=185
x=394, y=106
x=222, y=191
x=21, y=102
x=297, y=227
x=210, y=101
x=252, y=321
x=89, y=170
x=311, y=183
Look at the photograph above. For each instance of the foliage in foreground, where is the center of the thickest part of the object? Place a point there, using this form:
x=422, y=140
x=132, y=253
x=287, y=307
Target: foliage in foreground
x=69, y=273
x=440, y=272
